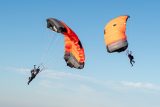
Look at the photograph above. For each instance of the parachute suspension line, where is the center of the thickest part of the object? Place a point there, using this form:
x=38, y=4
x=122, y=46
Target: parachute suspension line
x=52, y=61
x=42, y=67
x=47, y=49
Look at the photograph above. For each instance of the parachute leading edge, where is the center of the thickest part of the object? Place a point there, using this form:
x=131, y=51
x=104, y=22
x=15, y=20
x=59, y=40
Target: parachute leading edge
x=114, y=34
x=55, y=25
x=74, y=52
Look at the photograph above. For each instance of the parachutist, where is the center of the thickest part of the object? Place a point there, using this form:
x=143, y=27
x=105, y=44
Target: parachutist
x=131, y=58
x=34, y=73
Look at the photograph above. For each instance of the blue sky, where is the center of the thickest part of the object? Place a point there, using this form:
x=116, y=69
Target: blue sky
x=107, y=80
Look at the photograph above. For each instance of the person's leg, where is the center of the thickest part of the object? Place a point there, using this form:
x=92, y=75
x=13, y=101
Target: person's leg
x=31, y=78
x=29, y=81
x=131, y=62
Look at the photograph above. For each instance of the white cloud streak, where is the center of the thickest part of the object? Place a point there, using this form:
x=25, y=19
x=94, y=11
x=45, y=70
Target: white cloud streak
x=140, y=85
x=15, y=69
x=52, y=74
x=48, y=76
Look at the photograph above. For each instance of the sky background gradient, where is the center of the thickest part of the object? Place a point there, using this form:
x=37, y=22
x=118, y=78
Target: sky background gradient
x=107, y=80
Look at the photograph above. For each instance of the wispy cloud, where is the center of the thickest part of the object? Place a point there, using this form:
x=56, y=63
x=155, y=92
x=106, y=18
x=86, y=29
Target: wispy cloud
x=50, y=84
x=57, y=79
x=114, y=85
x=48, y=76
x=140, y=85
x=15, y=69
x=52, y=74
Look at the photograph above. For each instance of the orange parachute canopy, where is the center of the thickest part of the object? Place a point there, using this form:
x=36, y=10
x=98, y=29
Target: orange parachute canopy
x=74, y=52
x=114, y=34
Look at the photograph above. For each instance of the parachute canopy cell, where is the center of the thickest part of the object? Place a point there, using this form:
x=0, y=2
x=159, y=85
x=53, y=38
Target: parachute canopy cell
x=115, y=34
x=74, y=52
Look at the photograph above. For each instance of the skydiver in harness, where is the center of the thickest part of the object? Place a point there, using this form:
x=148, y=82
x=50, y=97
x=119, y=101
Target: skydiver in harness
x=34, y=73
x=131, y=58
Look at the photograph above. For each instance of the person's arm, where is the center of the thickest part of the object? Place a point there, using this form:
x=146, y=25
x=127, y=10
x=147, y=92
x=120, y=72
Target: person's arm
x=34, y=66
x=31, y=71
